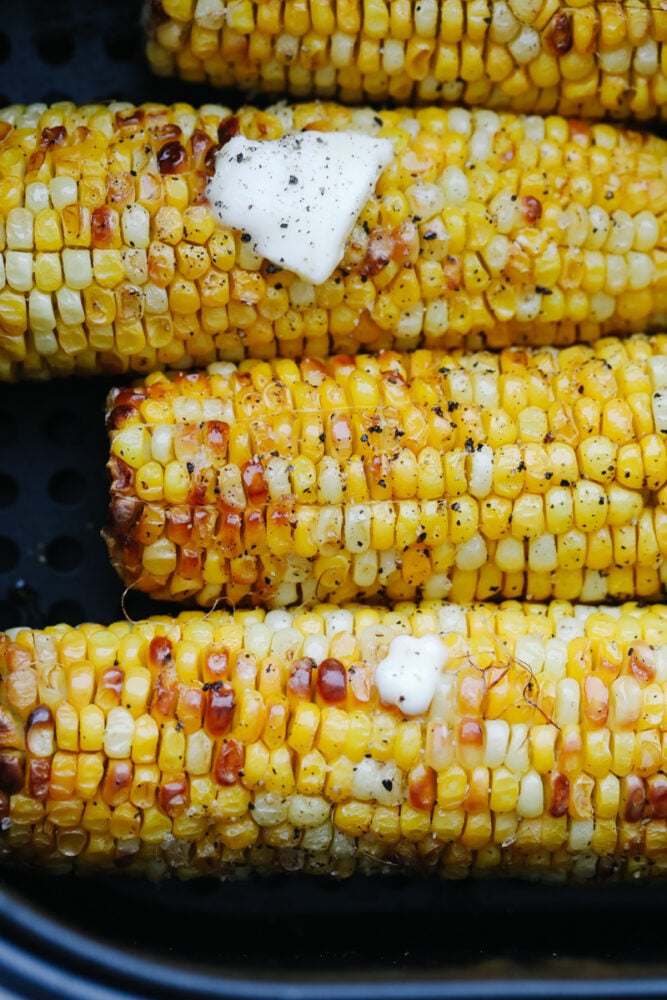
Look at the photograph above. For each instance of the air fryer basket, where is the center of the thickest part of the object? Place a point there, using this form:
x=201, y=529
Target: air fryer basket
x=293, y=937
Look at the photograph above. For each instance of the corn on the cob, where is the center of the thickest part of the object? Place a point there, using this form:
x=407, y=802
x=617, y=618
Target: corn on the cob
x=585, y=58
x=513, y=738
x=531, y=473
x=485, y=230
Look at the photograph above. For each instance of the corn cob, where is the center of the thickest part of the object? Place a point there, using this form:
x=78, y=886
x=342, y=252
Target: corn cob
x=530, y=473
x=485, y=230
x=512, y=738
x=591, y=59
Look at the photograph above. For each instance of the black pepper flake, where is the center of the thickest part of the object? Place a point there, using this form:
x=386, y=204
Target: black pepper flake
x=190, y=467
x=387, y=784
x=245, y=237
x=452, y=405
x=293, y=179
x=456, y=505
x=469, y=445
x=239, y=157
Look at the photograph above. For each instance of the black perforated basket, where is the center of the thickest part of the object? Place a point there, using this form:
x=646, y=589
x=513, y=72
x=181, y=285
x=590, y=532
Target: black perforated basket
x=290, y=937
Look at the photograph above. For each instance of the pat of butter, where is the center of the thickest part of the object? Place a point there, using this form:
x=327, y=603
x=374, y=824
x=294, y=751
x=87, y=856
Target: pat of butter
x=298, y=197
x=408, y=675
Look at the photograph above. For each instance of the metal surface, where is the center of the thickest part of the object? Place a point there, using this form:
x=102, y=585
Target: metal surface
x=291, y=938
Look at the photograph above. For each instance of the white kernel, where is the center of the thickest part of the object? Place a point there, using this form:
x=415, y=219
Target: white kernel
x=647, y=58
x=480, y=471
x=77, y=268
x=496, y=740
x=647, y=231
x=63, y=191
x=135, y=224
x=41, y=312
x=472, y=555
x=454, y=186
x=517, y=756
x=19, y=229
x=70, y=306
x=616, y=61
x=118, y=733
x=530, y=803
x=18, y=269
x=566, y=708
x=526, y=46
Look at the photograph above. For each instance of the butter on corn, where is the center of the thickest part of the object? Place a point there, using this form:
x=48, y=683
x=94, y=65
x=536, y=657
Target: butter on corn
x=531, y=472
x=221, y=744
x=485, y=230
x=594, y=59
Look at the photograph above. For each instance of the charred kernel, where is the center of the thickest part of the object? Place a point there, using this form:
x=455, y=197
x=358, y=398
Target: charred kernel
x=160, y=652
x=422, y=787
x=219, y=709
x=300, y=677
x=642, y=662
x=172, y=159
x=331, y=680
x=123, y=511
x=166, y=692
x=39, y=775
x=229, y=762
x=559, y=794
x=134, y=118
x=54, y=136
x=596, y=700
x=635, y=799
x=119, y=416
x=12, y=773
x=228, y=128
x=174, y=795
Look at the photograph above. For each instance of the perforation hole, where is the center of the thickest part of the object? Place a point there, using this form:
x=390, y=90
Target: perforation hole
x=9, y=490
x=67, y=486
x=122, y=44
x=64, y=554
x=63, y=428
x=54, y=47
x=9, y=554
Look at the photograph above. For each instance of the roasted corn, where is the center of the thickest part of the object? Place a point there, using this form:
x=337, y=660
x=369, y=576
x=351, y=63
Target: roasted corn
x=485, y=230
x=599, y=58
x=501, y=739
x=530, y=473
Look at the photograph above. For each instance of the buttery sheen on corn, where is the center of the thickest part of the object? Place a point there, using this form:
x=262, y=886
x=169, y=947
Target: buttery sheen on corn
x=486, y=230
x=532, y=472
x=602, y=58
x=221, y=744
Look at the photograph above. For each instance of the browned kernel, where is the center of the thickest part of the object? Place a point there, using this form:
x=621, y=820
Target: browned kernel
x=39, y=775
x=117, y=782
x=54, y=136
x=378, y=252
x=174, y=795
x=559, y=794
x=219, y=709
x=530, y=208
x=254, y=481
x=559, y=33
x=12, y=774
x=657, y=796
x=173, y=159
x=422, y=787
x=300, y=677
x=39, y=731
x=642, y=662
x=216, y=663
x=635, y=798
x=331, y=680
x=228, y=762
x=228, y=128
x=160, y=652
